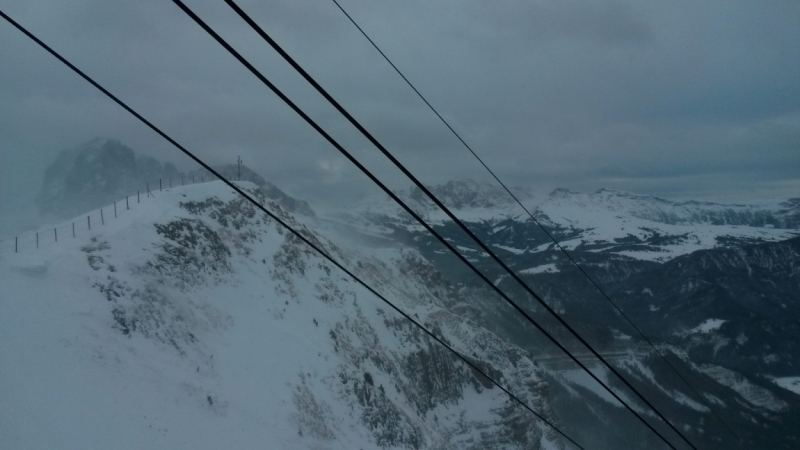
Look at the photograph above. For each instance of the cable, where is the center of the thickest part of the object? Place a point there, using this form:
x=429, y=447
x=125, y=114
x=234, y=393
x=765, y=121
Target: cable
x=394, y=197
x=591, y=280
x=399, y=165
x=244, y=62
x=294, y=232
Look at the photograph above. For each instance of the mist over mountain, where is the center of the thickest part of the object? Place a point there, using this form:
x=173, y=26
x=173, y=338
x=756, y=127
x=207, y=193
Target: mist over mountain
x=196, y=321
x=103, y=170
x=95, y=174
x=462, y=194
x=212, y=325
x=243, y=173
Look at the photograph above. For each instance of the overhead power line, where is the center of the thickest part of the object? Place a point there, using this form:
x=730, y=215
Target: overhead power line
x=294, y=232
x=536, y=221
x=394, y=197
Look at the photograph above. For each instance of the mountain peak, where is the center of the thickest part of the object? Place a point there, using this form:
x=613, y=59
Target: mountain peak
x=95, y=173
x=465, y=193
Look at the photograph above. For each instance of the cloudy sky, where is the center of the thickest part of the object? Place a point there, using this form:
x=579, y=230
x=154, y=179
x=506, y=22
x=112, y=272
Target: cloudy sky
x=682, y=99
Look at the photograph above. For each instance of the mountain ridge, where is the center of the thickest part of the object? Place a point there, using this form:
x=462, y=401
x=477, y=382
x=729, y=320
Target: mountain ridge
x=165, y=290
x=173, y=286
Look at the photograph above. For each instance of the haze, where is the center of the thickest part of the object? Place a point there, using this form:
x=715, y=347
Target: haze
x=685, y=99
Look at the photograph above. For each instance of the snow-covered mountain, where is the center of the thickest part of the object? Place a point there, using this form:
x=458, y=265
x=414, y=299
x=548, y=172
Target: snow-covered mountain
x=774, y=215
x=656, y=229
x=671, y=266
x=195, y=321
x=607, y=222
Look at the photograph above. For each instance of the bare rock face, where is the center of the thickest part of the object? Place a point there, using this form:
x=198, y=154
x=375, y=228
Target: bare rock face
x=95, y=174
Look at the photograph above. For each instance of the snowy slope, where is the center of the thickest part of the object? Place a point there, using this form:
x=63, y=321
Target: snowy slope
x=192, y=321
x=73, y=379
x=710, y=276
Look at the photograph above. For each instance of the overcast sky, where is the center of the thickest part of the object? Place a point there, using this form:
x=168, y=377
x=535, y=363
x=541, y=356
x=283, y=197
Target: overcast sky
x=678, y=99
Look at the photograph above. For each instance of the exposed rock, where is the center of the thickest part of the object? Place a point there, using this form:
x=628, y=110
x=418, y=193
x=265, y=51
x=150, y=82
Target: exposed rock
x=95, y=174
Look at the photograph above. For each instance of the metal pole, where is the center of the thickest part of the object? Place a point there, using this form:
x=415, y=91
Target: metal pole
x=89, y=222
x=37, y=239
x=159, y=185
x=115, y=210
x=16, y=244
x=127, y=206
x=137, y=196
x=102, y=221
x=55, y=232
x=73, y=229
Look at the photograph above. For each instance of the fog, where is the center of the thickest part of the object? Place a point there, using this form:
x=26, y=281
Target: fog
x=690, y=99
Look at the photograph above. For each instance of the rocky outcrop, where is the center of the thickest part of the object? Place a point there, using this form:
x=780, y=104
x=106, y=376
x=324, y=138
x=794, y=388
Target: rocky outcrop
x=386, y=378
x=95, y=174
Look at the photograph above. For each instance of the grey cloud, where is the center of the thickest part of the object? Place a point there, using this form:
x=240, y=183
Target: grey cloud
x=597, y=22
x=578, y=94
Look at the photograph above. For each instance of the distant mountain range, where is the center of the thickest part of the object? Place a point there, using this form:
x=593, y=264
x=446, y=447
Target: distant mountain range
x=606, y=222
x=716, y=287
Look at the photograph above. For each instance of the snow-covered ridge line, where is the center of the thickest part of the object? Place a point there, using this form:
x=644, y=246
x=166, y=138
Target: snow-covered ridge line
x=198, y=316
x=197, y=322
x=785, y=214
x=467, y=195
x=638, y=227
